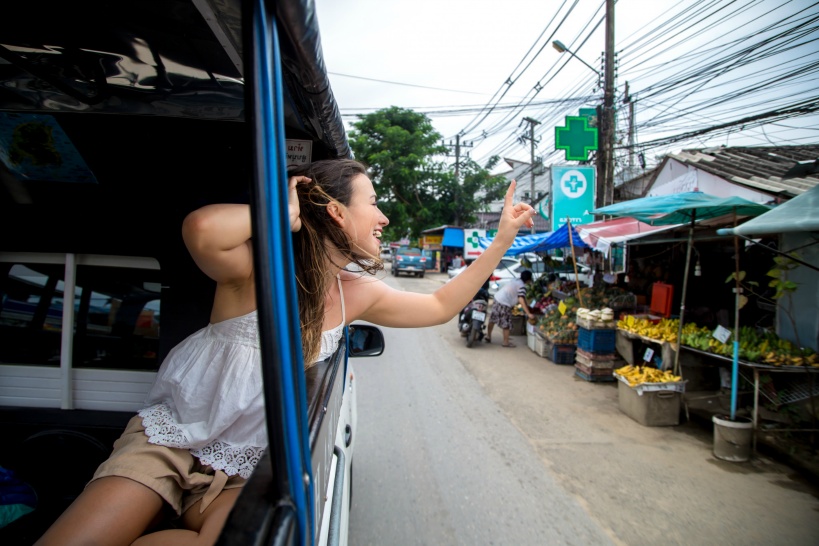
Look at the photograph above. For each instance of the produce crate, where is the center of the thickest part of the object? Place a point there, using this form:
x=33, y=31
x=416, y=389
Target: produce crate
x=598, y=357
x=596, y=324
x=542, y=347
x=596, y=341
x=651, y=404
x=593, y=374
x=607, y=364
x=559, y=353
x=518, y=325
x=530, y=340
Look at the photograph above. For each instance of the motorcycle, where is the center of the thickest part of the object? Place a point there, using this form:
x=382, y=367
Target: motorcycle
x=472, y=318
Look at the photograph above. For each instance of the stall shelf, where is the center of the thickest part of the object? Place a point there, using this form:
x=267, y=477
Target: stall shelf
x=790, y=390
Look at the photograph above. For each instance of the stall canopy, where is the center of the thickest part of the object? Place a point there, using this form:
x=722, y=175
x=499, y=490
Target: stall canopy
x=541, y=242
x=681, y=208
x=453, y=237
x=799, y=214
x=618, y=230
x=687, y=208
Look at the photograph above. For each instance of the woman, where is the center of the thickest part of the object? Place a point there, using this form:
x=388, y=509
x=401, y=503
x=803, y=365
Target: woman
x=341, y=224
x=202, y=432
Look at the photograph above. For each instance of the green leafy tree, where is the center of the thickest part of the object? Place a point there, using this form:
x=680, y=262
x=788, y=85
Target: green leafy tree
x=416, y=190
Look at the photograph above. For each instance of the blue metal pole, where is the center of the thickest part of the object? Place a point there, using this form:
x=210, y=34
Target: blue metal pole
x=734, y=379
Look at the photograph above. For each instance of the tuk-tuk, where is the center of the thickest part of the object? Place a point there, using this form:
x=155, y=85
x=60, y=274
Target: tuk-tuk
x=116, y=120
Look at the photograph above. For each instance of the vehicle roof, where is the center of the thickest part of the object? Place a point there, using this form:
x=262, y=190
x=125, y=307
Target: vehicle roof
x=129, y=57
x=124, y=70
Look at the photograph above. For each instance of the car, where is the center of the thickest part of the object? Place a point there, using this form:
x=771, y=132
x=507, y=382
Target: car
x=386, y=254
x=566, y=272
x=409, y=260
x=539, y=267
x=504, y=264
x=503, y=275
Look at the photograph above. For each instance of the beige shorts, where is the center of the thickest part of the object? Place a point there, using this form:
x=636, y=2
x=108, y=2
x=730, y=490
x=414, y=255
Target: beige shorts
x=174, y=473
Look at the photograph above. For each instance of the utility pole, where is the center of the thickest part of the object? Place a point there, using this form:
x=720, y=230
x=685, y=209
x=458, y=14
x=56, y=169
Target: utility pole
x=605, y=156
x=531, y=137
x=628, y=100
x=457, y=147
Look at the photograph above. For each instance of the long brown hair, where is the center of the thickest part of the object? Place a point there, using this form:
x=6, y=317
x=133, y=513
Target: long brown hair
x=331, y=180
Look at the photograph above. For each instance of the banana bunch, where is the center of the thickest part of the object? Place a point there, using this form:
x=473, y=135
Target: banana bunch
x=776, y=358
x=637, y=375
x=664, y=330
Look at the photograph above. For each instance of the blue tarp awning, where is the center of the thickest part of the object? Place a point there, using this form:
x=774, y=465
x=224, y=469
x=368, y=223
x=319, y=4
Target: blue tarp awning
x=541, y=242
x=453, y=237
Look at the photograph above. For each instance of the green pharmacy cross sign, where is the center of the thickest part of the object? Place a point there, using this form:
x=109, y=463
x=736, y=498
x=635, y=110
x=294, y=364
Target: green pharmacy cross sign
x=576, y=138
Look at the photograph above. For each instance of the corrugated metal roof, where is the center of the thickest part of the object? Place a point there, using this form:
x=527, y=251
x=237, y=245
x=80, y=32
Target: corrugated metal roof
x=779, y=170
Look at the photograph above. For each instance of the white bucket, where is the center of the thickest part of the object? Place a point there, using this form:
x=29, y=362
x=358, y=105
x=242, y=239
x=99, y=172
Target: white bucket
x=732, y=439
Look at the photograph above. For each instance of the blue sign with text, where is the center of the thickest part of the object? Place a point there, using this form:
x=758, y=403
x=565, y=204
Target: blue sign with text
x=572, y=195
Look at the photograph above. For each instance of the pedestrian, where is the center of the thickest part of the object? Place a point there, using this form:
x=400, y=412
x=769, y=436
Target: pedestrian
x=190, y=450
x=506, y=298
x=457, y=261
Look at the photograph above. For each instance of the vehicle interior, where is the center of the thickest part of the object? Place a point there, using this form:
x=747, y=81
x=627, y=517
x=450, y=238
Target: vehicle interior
x=109, y=135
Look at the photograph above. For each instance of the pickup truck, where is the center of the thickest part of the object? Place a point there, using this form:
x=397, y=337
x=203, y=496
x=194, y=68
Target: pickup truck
x=109, y=135
x=409, y=260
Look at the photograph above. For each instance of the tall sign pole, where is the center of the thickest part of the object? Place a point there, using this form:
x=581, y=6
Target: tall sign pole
x=605, y=156
x=532, y=123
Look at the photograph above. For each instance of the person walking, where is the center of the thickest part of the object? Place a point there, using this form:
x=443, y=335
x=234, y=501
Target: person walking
x=506, y=298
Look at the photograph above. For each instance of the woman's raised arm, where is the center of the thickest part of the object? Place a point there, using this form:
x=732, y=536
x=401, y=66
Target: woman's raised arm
x=388, y=307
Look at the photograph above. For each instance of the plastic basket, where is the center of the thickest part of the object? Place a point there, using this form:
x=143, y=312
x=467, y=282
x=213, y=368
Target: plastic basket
x=593, y=374
x=542, y=347
x=590, y=324
x=590, y=363
x=596, y=341
x=560, y=353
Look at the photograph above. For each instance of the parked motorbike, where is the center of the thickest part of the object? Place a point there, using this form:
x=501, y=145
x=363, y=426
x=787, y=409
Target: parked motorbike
x=472, y=318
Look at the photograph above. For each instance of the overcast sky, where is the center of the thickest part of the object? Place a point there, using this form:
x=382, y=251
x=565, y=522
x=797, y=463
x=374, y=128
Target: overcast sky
x=690, y=64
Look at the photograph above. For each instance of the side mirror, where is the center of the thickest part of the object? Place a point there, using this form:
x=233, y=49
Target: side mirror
x=365, y=340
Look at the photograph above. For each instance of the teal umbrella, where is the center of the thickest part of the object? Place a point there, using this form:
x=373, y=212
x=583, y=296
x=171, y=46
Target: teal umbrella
x=681, y=208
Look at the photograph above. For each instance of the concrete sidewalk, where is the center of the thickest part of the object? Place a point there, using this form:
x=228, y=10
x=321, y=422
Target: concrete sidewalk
x=791, y=454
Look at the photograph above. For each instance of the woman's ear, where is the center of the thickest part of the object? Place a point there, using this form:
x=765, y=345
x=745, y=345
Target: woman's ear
x=336, y=212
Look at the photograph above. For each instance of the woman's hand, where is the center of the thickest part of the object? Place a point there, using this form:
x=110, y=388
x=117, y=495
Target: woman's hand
x=293, y=202
x=513, y=217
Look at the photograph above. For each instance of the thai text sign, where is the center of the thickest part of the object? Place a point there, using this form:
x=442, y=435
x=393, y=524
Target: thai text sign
x=572, y=195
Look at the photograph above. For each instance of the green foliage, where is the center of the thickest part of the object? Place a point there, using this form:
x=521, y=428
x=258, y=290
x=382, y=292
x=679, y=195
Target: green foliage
x=415, y=190
x=779, y=276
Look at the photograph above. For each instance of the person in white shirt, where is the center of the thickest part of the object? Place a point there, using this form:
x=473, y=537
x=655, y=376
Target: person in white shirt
x=506, y=298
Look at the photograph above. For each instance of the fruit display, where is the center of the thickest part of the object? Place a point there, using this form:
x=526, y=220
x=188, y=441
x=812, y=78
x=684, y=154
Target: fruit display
x=662, y=330
x=754, y=346
x=559, y=328
x=637, y=375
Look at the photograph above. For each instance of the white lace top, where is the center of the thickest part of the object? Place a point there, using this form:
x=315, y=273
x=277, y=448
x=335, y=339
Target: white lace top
x=208, y=397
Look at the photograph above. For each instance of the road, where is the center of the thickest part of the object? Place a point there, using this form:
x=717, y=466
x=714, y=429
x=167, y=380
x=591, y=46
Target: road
x=499, y=446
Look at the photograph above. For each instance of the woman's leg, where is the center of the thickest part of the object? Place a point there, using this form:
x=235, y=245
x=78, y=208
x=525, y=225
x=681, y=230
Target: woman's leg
x=111, y=511
x=200, y=529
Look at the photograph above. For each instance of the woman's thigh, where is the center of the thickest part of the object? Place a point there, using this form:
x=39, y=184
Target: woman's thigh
x=211, y=521
x=111, y=510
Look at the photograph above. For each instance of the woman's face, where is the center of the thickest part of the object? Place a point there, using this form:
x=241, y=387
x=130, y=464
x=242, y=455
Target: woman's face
x=365, y=220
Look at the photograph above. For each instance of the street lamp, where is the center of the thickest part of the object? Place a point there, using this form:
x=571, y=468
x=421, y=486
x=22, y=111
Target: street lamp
x=558, y=45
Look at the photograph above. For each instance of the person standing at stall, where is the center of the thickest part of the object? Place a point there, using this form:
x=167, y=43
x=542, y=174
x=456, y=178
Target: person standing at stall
x=511, y=294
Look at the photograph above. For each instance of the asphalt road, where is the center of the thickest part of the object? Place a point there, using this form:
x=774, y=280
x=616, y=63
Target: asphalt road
x=491, y=445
